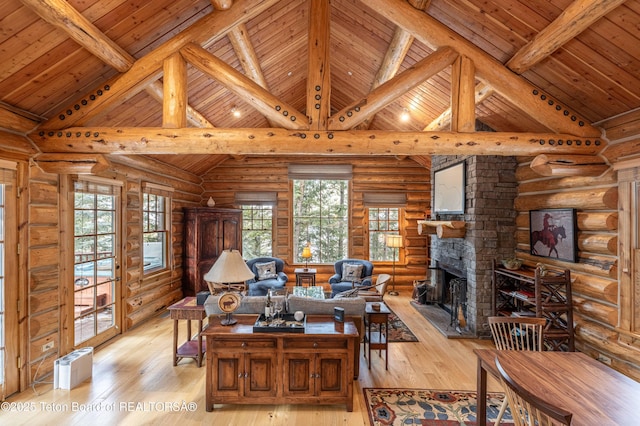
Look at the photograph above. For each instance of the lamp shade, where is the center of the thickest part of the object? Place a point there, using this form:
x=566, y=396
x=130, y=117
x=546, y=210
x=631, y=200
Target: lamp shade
x=229, y=268
x=306, y=252
x=393, y=240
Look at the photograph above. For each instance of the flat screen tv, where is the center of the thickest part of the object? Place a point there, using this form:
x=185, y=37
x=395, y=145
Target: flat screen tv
x=448, y=189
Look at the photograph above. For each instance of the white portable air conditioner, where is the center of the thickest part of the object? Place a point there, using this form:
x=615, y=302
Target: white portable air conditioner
x=73, y=368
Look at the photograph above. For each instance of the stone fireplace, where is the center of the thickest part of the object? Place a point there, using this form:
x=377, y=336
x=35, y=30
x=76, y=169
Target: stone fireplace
x=490, y=218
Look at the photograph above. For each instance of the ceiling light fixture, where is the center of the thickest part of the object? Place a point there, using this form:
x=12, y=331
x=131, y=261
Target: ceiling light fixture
x=236, y=112
x=404, y=116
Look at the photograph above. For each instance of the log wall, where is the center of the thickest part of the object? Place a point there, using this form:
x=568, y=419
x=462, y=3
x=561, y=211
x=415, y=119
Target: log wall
x=369, y=175
x=48, y=248
x=595, y=277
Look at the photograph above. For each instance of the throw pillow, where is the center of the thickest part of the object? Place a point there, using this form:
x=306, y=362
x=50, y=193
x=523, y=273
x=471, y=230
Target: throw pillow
x=352, y=272
x=266, y=271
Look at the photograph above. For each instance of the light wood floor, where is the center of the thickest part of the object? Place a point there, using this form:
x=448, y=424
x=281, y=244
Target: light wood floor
x=134, y=382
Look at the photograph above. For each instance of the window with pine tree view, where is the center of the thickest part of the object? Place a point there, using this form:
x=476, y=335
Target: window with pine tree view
x=257, y=231
x=154, y=232
x=382, y=221
x=321, y=217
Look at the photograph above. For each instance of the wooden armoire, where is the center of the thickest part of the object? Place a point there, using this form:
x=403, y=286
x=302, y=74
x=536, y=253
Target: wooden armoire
x=207, y=232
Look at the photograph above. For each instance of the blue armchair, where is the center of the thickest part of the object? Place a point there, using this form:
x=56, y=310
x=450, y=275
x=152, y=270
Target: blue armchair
x=266, y=277
x=349, y=275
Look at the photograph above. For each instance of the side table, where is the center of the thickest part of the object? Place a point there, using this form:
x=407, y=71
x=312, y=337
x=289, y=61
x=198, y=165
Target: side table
x=378, y=337
x=187, y=309
x=305, y=275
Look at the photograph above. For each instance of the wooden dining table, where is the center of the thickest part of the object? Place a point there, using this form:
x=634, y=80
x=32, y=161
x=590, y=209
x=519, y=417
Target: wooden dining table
x=595, y=393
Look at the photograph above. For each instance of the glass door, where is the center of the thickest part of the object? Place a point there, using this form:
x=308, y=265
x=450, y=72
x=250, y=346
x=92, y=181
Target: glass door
x=9, y=330
x=96, y=263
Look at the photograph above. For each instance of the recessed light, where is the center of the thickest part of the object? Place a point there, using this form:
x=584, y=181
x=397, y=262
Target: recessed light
x=236, y=112
x=404, y=115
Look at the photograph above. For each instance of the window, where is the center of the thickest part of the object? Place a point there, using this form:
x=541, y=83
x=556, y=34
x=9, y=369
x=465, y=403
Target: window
x=321, y=217
x=257, y=231
x=155, y=231
x=382, y=221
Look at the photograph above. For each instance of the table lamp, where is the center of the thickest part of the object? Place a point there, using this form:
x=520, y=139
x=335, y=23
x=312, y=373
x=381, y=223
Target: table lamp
x=306, y=254
x=395, y=242
x=228, y=269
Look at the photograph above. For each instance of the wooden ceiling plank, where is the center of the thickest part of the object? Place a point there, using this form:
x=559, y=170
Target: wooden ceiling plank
x=572, y=21
x=239, y=38
x=463, y=112
x=146, y=69
x=270, y=141
x=511, y=86
x=280, y=112
x=482, y=92
x=17, y=120
x=393, y=58
x=389, y=91
x=318, y=71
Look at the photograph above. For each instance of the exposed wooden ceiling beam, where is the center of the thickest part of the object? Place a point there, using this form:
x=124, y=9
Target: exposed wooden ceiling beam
x=377, y=99
x=283, y=114
x=16, y=143
x=318, y=71
x=247, y=56
x=174, y=107
x=17, y=120
x=576, y=18
x=393, y=58
x=482, y=92
x=511, y=86
x=463, y=107
x=222, y=4
x=60, y=14
x=148, y=68
x=269, y=141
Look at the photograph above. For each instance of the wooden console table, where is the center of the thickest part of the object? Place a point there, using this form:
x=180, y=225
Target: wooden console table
x=187, y=309
x=314, y=367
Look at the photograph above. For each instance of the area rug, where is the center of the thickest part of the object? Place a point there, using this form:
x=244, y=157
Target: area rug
x=398, y=330
x=426, y=407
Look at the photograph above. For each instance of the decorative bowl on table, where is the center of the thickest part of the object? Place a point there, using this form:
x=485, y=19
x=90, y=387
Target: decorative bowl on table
x=512, y=264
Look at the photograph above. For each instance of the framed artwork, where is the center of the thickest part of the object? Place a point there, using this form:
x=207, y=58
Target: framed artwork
x=552, y=233
x=448, y=189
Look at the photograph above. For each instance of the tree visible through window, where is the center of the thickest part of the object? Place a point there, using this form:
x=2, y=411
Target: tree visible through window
x=321, y=217
x=257, y=231
x=382, y=221
x=154, y=231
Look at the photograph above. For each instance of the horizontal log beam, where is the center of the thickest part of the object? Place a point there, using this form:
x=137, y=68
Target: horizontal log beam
x=269, y=141
x=72, y=163
x=568, y=165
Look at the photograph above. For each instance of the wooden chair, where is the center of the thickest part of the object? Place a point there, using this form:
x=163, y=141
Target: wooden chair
x=517, y=334
x=376, y=293
x=527, y=409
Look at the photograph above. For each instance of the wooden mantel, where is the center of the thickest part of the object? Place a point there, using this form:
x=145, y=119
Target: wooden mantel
x=442, y=228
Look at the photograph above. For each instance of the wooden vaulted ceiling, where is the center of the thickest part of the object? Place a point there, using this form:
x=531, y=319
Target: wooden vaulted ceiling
x=161, y=78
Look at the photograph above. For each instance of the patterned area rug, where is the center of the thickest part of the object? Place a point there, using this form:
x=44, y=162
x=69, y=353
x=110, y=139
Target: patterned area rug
x=391, y=406
x=398, y=330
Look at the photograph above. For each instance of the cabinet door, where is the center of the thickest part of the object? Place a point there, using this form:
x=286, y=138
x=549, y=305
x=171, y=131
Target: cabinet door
x=227, y=374
x=331, y=374
x=298, y=374
x=260, y=374
x=230, y=232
